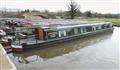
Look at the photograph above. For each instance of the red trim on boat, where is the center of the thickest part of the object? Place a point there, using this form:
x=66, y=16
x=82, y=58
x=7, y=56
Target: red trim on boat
x=17, y=49
x=8, y=49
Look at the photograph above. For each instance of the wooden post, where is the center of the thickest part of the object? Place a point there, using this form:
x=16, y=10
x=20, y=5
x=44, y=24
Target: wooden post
x=40, y=33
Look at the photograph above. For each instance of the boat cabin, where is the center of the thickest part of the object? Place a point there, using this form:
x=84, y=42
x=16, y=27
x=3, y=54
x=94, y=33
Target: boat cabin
x=59, y=31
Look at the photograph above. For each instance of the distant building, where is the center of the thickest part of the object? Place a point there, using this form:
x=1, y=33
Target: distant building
x=34, y=16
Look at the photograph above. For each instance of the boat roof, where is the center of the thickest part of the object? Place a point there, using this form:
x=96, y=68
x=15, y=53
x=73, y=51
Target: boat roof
x=49, y=24
x=61, y=24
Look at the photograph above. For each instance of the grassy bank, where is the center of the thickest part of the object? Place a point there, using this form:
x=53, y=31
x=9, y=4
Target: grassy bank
x=115, y=21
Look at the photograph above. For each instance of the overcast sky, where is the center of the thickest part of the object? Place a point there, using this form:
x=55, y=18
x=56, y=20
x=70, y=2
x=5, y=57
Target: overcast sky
x=101, y=6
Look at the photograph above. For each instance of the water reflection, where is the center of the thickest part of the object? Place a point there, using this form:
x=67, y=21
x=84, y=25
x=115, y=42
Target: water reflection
x=58, y=49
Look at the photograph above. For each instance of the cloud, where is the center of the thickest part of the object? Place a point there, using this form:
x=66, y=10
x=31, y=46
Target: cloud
x=102, y=6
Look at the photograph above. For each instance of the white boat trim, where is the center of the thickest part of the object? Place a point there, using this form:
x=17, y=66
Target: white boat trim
x=16, y=46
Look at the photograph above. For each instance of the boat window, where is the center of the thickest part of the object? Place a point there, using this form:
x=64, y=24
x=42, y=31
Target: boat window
x=93, y=28
x=100, y=27
x=76, y=30
x=62, y=33
x=79, y=30
x=108, y=26
x=104, y=26
x=88, y=28
x=97, y=27
x=70, y=31
x=83, y=29
x=52, y=34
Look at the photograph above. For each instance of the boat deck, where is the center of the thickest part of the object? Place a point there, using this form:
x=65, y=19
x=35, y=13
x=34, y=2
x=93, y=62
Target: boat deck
x=5, y=62
x=31, y=40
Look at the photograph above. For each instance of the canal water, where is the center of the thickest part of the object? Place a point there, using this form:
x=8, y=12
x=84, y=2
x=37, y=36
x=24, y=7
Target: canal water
x=97, y=52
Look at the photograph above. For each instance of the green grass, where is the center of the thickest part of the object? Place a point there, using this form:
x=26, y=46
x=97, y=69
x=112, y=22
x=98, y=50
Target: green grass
x=113, y=20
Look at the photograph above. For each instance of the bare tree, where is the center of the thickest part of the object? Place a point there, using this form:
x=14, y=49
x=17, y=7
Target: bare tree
x=88, y=13
x=73, y=8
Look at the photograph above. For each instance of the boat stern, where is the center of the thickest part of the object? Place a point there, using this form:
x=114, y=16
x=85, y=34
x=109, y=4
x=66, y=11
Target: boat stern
x=17, y=48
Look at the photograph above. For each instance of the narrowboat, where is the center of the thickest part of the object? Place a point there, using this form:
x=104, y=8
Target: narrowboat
x=45, y=35
x=5, y=41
